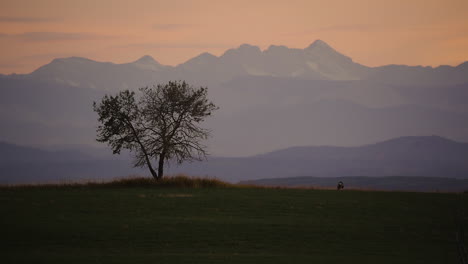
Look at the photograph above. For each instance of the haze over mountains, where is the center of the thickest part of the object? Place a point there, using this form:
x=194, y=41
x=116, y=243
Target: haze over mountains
x=430, y=156
x=269, y=100
x=27, y=165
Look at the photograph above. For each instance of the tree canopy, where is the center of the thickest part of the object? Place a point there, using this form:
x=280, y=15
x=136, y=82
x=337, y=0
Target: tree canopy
x=161, y=123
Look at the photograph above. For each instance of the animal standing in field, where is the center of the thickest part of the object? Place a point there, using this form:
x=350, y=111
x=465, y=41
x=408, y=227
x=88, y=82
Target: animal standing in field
x=340, y=186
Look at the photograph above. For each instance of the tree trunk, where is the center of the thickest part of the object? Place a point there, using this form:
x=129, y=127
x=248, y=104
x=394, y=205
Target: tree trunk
x=153, y=172
x=161, y=165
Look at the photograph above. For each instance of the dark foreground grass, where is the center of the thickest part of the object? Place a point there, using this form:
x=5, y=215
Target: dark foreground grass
x=138, y=223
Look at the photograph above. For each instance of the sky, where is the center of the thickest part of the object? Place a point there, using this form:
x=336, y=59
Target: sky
x=371, y=32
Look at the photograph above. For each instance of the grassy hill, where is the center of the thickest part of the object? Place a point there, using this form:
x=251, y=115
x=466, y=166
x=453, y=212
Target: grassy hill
x=143, y=224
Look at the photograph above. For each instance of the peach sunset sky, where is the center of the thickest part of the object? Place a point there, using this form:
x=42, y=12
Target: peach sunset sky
x=372, y=32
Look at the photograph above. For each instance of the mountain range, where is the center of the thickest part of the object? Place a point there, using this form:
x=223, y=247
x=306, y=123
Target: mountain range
x=271, y=99
x=430, y=156
x=318, y=61
x=31, y=165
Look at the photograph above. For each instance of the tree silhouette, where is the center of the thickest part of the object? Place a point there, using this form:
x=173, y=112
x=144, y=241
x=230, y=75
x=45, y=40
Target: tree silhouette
x=162, y=124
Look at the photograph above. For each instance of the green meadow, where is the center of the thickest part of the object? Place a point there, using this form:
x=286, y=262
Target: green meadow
x=226, y=224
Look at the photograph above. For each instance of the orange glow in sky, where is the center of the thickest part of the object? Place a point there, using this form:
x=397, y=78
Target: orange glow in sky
x=371, y=32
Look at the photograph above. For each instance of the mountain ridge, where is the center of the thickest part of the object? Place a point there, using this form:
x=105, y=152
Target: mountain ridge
x=13, y=153
x=317, y=61
x=395, y=157
x=268, y=99
x=400, y=148
x=317, y=43
x=352, y=161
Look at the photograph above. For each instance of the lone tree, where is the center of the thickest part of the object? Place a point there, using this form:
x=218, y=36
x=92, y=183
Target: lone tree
x=160, y=125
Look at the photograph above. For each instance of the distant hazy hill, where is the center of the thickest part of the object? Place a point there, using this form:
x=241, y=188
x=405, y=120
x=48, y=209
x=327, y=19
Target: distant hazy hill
x=418, y=75
x=430, y=148
x=42, y=113
x=20, y=164
x=256, y=115
x=10, y=153
x=407, y=156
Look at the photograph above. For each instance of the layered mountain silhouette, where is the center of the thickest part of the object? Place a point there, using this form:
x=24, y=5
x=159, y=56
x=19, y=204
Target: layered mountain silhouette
x=10, y=153
x=430, y=156
x=271, y=99
x=318, y=61
x=26, y=165
x=425, y=148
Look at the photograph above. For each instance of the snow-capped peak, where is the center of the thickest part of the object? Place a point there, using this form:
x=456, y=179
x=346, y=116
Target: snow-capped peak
x=147, y=59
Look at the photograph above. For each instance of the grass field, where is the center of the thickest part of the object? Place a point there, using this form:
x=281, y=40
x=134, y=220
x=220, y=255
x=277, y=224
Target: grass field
x=137, y=224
